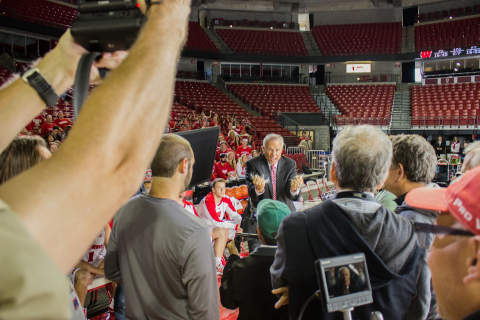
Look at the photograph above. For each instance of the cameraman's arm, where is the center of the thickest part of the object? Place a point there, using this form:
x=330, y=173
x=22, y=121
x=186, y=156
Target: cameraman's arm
x=116, y=135
x=20, y=103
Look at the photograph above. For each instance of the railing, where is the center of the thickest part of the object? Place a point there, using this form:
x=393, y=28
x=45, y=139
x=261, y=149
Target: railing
x=447, y=122
x=286, y=122
x=10, y=12
x=328, y=113
x=317, y=159
x=75, y=2
x=374, y=121
x=371, y=78
x=250, y=125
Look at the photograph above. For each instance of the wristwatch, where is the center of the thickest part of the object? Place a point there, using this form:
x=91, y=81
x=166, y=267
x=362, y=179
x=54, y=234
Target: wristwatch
x=35, y=79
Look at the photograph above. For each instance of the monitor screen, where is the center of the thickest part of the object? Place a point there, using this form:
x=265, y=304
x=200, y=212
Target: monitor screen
x=346, y=279
x=344, y=282
x=204, y=145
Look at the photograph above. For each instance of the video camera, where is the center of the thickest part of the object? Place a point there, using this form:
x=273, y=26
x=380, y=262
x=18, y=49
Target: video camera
x=107, y=26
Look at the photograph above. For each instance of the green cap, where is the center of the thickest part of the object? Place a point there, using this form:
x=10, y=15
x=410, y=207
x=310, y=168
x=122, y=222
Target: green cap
x=270, y=214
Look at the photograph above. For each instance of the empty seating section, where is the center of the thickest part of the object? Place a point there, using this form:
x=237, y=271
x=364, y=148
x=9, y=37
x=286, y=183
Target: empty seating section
x=447, y=14
x=356, y=39
x=364, y=103
x=446, y=104
x=198, y=39
x=180, y=110
x=275, y=98
x=202, y=94
x=447, y=35
x=264, y=42
x=266, y=125
x=42, y=12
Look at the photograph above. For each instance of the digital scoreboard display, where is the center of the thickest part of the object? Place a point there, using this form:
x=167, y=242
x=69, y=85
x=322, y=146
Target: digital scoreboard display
x=359, y=68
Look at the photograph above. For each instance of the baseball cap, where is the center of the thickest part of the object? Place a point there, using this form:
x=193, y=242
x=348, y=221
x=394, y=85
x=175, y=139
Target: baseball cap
x=459, y=198
x=222, y=142
x=270, y=214
x=223, y=155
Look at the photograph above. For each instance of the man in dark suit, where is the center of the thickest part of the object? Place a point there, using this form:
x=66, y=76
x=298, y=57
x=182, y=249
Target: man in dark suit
x=439, y=146
x=260, y=180
x=270, y=176
x=246, y=282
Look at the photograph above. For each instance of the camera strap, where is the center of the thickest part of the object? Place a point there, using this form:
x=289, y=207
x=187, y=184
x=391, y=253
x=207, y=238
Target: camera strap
x=82, y=80
x=353, y=194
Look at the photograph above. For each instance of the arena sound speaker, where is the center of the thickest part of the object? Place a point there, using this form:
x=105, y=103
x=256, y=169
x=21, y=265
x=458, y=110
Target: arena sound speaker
x=204, y=145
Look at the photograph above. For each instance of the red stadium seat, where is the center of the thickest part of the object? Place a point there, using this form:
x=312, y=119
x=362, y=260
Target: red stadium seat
x=356, y=39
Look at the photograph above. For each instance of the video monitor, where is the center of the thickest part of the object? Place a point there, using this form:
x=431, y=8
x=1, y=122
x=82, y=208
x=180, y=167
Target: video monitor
x=344, y=282
x=204, y=145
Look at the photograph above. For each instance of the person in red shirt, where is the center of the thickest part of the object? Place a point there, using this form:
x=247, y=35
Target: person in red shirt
x=47, y=127
x=236, y=143
x=246, y=121
x=223, y=169
x=61, y=121
x=223, y=149
x=36, y=123
x=304, y=135
x=244, y=149
x=239, y=128
x=231, y=137
x=251, y=144
x=220, y=139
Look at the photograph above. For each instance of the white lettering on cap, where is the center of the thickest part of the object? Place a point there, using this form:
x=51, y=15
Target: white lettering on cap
x=478, y=223
x=463, y=211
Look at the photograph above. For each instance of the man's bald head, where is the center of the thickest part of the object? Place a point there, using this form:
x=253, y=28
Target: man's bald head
x=171, y=151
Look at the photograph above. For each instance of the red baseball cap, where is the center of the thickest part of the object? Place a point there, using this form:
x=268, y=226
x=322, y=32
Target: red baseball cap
x=460, y=199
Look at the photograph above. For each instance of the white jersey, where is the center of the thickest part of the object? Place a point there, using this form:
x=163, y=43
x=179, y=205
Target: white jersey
x=222, y=215
x=97, y=250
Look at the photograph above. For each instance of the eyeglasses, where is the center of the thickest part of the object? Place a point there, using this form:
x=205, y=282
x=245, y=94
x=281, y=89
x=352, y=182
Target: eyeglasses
x=426, y=233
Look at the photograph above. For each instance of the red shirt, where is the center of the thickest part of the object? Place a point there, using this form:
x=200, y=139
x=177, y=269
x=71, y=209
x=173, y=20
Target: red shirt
x=219, y=152
x=62, y=123
x=222, y=169
x=37, y=123
x=46, y=128
x=239, y=129
x=302, y=138
x=241, y=151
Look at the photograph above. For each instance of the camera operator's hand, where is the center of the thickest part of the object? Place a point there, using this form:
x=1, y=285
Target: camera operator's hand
x=109, y=60
x=232, y=248
x=284, y=298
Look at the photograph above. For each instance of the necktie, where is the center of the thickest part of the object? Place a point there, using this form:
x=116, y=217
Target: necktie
x=274, y=182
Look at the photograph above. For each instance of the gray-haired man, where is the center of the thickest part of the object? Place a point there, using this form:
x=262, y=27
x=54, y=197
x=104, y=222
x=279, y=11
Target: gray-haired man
x=270, y=176
x=349, y=222
x=413, y=166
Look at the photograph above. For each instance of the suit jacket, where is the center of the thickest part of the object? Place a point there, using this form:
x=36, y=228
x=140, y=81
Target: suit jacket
x=286, y=171
x=246, y=285
x=439, y=144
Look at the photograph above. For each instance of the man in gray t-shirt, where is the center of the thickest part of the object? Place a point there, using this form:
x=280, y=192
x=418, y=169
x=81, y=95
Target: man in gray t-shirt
x=160, y=252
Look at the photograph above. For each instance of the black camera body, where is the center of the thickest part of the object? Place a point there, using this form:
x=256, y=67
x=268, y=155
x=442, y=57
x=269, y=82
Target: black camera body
x=107, y=26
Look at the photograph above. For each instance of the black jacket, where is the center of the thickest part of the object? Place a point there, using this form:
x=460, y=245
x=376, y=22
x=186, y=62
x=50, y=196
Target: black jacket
x=325, y=231
x=246, y=285
x=286, y=171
